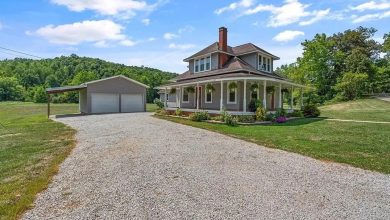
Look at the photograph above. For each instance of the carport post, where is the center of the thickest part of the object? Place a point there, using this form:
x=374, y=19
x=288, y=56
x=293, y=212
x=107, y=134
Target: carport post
x=48, y=105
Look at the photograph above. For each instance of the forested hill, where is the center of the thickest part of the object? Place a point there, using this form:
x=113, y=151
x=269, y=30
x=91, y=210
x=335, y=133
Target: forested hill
x=26, y=79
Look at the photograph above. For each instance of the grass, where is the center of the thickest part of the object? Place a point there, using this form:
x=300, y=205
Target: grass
x=364, y=109
x=31, y=149
x=150, y=107
x=361, y=145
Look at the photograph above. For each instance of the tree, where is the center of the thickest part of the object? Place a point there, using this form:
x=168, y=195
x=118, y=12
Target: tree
x=352, y=85
x=83, y=77
x=40, y=95
x=10, y=89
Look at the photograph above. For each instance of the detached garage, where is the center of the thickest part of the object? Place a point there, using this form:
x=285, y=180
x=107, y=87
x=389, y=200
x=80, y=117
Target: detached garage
x=110, y=95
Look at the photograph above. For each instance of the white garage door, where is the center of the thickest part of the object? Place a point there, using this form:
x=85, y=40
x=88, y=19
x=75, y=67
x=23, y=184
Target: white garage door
x=104, y=103
x=132, y=103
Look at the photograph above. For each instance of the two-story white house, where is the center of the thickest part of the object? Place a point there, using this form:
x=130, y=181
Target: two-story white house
x=224, y=77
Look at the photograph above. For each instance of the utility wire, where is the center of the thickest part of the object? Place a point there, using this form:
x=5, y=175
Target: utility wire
x=15, y=51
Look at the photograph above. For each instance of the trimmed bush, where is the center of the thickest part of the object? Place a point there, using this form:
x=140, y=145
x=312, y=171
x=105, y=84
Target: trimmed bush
x=280, y=112
x=260, y=114
x=161, y=111
x=270, y=117
x=230, y=120
x=246, y=118
x=296, y=113
x=254, y=104
x=310, y=111
x=199, y=116
x=178, y=112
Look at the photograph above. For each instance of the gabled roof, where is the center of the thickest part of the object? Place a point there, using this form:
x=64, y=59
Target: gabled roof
x=250, y=48
x=232, y=51
x=118, y=76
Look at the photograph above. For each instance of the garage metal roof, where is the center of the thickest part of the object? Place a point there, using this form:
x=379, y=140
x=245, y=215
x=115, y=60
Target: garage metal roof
x=65, y=89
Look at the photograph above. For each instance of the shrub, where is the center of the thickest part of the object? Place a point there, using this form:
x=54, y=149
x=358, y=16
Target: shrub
x=260, y=114
x=280, y=112
x=310, y=111
x=254, y=104
x=161, y=111
x=246, y=118
x=270, y=117
x=40, y=95
x=296, y=113
x=230, y=120
x=178, y=112
x=281, y=119
x=159, y=103
x=199, y=116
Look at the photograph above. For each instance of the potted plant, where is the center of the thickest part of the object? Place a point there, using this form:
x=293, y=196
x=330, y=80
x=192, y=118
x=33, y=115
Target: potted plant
x=270, y=89
x=190, y=89
x=210, y=88
x=254, y=87
x=172, y=91
x=232, y=86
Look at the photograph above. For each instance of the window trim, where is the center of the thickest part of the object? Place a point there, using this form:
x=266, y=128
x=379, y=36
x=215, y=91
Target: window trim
x=204, y=63
x=182, y=96
x=205, y=96
x=267, y=67
x=227, y=94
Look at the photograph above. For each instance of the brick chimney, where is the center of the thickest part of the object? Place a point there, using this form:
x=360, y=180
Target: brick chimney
x=222, y=44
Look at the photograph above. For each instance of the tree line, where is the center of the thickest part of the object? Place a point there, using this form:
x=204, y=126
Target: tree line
x=343, y=66
x=26, y=79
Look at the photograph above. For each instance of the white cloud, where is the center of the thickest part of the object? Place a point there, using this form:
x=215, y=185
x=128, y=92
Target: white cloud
x=127, y=43
x=170, y=36
x=98, y=32
x=318, y=15
x=235, y=5
x=181, y=46
x=292, y=11
x=152, y=39
x=372, y=5
x=146, y=21
x=370, y=17
x=288, y=35
x=186, y=29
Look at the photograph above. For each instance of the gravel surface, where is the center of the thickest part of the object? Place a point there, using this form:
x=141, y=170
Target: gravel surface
x=134, y=166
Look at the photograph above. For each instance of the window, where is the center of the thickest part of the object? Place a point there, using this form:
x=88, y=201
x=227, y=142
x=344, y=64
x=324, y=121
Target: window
x=185, y=96
x=196, y=65
x=269, y=65
x=260, y=60
x=232, y=95
x=202, y=64
x=264, y=63
x=209, y=96
x=167, y=97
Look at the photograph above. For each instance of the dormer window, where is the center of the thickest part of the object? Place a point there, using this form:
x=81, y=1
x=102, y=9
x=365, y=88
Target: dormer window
x=202, y=64
x=264, y=63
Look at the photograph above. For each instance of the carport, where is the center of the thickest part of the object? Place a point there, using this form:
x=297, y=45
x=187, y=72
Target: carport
x=110, y=95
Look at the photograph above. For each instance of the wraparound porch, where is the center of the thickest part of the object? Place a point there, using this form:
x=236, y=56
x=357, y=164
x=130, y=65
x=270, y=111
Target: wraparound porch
x=217, y=94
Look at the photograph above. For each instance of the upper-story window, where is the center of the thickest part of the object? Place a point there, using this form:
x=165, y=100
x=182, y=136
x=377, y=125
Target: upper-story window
x=202, y=64
x=264, y=63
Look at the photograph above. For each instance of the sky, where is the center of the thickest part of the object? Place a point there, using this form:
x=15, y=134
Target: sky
x=161, y=33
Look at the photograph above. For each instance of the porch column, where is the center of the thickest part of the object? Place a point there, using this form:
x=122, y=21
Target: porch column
x=292, y=98
x=177, y=102
x=265, y=94
x=165, y=98
x=280, y=96
x=180, y=94
x=197, y=96
x=244, y=102
x=221, y=100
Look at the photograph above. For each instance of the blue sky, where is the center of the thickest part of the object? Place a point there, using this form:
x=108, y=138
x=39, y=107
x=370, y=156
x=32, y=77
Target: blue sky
x=161, y=33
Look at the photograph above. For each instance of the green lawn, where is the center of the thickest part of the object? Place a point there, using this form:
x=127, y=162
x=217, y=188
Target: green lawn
x=31, y=148
x=364, y=109
x=359, y=144
x=150, y=107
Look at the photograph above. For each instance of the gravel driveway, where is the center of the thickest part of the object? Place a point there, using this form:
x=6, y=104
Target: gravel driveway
x=134, y=166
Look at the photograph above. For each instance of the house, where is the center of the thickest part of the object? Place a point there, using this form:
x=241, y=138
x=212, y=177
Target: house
x=224, y=77
x=110, y=95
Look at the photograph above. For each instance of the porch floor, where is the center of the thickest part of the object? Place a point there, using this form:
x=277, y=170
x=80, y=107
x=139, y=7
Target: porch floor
x=210, y=111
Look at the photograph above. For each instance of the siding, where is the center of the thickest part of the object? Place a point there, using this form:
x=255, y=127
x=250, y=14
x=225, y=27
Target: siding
x=116, y=86
x=83, y=102
x=214, y=61
x=251, y=59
